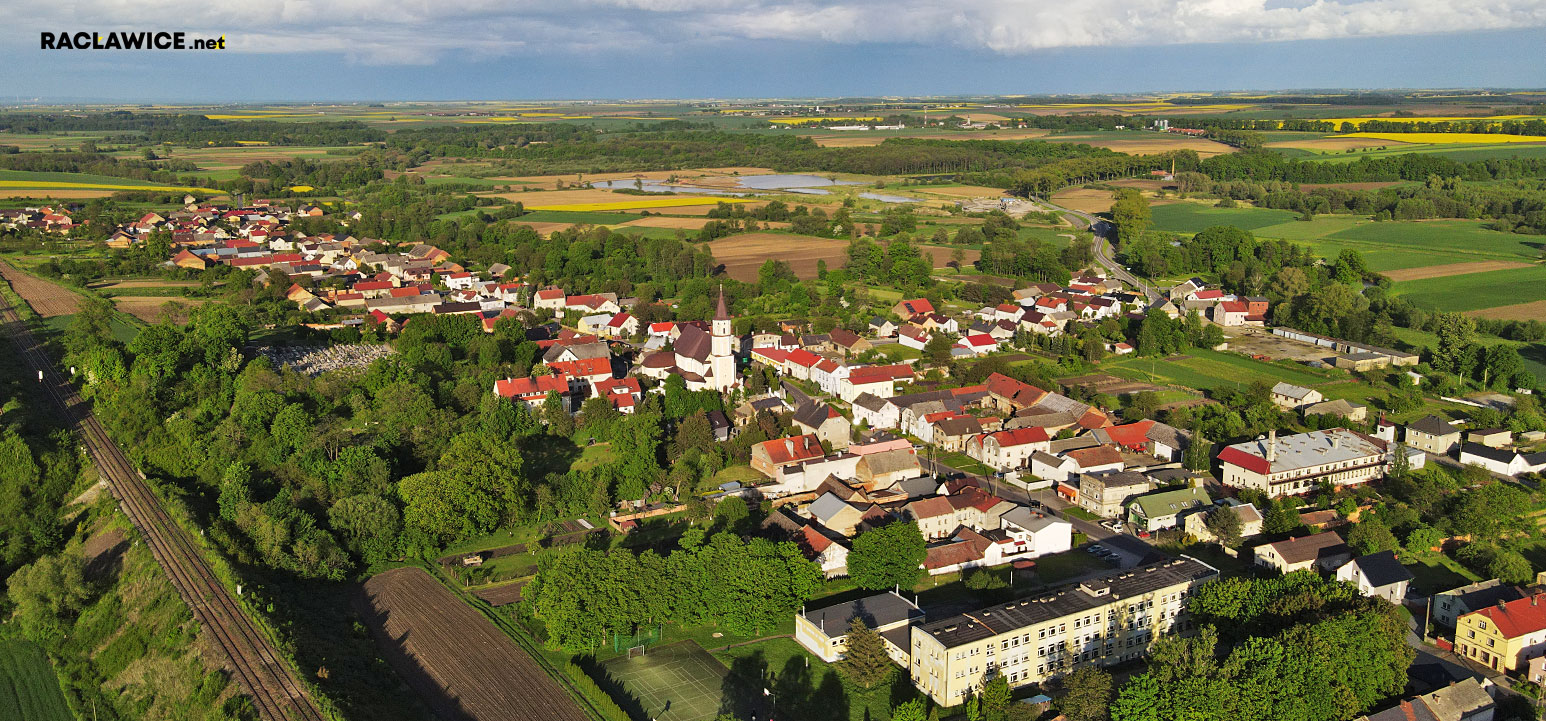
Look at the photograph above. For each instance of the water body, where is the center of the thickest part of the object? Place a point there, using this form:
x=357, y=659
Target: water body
x=882, y=197
x=653, y=187
x=786, y=182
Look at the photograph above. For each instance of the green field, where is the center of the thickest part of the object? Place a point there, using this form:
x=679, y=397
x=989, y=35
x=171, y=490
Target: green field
x=23, y=176
x=1475, y=291
x=1462, y=152
x=679, y=682
x=1194, y=217
x=1204, y=369
x=28, y=688
x=1534, y=354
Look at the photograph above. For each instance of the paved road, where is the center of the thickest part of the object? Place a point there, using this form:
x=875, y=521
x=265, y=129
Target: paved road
x=1103, y=231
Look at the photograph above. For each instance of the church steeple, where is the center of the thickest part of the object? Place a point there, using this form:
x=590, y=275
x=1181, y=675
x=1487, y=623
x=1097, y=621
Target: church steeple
x=720, y=311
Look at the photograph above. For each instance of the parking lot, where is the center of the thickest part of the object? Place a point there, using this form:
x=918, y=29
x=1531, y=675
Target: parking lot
x=1257, y=341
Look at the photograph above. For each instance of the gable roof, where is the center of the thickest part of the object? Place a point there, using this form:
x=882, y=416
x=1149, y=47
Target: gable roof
x=793, y=449
x=1517, y=618
x=1096, y=456
x=1309, y=548
x=1382, y=569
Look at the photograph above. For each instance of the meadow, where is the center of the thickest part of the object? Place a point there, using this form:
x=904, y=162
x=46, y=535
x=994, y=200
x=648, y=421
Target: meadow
x=1205, y=369
x=28, y=687
x=1476, y=291
x=1194, y=217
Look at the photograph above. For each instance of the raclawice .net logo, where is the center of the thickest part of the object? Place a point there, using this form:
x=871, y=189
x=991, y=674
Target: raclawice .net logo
x=118, y=40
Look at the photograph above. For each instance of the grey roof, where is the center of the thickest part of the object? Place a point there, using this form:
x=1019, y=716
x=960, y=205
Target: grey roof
x=1492, y=454
x=581, y=351
x=919, y=487
x=1309, y=548
x=1169, y=435
x=1333, y=407
x=890, y=461
x=958, y=426
x=1028, y=519
x=1063, y=445
x=812, y=415
x=1382, y=569
x=1432, y=425
x=824, y=508
x=882, y=609
x=1040, y=420
x=693, y=342
x=1485, y=593
x=871, y=402
x=717, y=420
x=1063, y=601
x=1316, y=448
x=1291, y=390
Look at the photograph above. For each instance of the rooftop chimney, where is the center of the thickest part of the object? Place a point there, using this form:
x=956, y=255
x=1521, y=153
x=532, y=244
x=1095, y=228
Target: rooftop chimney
x=1272, y=445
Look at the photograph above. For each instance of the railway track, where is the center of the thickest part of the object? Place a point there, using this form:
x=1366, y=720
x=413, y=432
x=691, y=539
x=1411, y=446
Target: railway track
x=273, y=686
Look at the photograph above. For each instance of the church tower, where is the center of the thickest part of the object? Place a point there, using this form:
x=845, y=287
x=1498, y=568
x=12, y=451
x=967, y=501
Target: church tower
x=721, y=355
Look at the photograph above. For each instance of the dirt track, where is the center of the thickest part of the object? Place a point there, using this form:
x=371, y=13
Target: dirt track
x=1441, y=271
x=455, y=658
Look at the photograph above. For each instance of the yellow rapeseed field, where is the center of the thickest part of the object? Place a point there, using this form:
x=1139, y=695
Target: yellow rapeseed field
x=1447, y=137
x=301, y=188
x=640, y=204
x=1431, y=119
x=255, y=117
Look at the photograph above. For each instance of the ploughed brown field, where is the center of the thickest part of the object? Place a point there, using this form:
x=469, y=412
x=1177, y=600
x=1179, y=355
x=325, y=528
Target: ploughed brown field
x=150, y=309
x=47, y=299
x=1160, y=143
x=1441, y=271
x=1087, y=200
x=742, y=255
x=454, y=657
x=1522, y=311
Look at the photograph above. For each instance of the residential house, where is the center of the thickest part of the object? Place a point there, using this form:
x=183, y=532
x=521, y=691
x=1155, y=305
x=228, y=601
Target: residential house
x=882, y=328
x=1157, y=511
x=1105, y=494
x=1491, y=437
x=849, y=343
x=1070, y=464
x=1503, y=461
x=1449, y=606
x=1196, y=524
x=910, y=308
x=954, y=433
x=875, y=411
x=1322, y=551
x=534, y=390
x=824, y=422
x=1008, y=450
x=1505, y=636
x=1377, y=575
x=1432, y=434
x=770, y=457
x=913, y=337
x=1036, y=534
x=1339, y=407
x=1164, y=442
x=1465, y=700
x=1291, y=397
x=888, y=468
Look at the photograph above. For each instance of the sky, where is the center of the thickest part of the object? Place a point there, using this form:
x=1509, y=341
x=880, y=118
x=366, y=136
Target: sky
x=447, y=50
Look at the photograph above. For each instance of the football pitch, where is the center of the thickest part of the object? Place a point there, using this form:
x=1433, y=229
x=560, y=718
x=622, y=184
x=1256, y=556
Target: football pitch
x=679, y=682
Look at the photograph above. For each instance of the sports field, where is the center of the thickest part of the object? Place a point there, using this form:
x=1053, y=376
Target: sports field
x=1204, y=369
x=679, y=682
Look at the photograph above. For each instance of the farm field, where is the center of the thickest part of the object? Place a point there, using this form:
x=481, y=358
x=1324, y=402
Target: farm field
x=638, y=203
x=742, y=255
x=1441, y=271
x=1085, y=200
x=423, y=630
x=1194, y=217
x=679, y=682
x=1138, y=142
x=1447, y=138
x=576, y=216
x=47, y=299
x=150, y=309
x=1476, y=291
x=1534, y=354
x=1320, y=144
x=28, y=687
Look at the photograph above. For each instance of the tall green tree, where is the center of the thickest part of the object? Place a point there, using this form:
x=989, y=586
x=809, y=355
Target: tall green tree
x=1086, y=694
x=888, y=557
x=865, y=662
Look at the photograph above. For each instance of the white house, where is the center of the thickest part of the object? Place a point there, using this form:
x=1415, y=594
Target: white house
x=1036, y=534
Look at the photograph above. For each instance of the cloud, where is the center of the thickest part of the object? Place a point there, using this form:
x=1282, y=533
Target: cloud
x=393, y=32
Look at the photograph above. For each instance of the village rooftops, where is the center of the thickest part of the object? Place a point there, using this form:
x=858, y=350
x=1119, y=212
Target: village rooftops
x=1063, y=601
x=883, y=609
x=1303, y=450
x=1433, y=426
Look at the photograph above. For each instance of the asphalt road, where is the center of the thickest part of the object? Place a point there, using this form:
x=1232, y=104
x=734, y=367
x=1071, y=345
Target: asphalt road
x=1103, y=230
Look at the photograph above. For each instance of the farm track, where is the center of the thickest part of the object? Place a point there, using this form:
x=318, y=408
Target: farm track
x=274, y=688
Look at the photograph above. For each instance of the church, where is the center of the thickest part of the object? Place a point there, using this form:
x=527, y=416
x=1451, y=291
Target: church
x=705, y=359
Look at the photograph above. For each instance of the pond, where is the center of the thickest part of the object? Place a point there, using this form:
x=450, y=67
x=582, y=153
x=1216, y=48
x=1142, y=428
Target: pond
x=882, y=197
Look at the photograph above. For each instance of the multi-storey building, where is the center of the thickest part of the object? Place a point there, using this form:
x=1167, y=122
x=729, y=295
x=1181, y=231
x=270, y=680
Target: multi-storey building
x=1504, y=636
x=1103, y=621
x=1296, y=464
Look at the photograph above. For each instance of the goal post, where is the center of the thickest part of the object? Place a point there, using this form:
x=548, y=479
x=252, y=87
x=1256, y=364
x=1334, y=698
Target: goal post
x=636, y=651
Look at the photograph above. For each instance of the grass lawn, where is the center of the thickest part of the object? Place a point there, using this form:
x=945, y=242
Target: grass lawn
x=1193, y=217
x=1474, y=291
x=1063, y=566
x=1439, y=574
x=28, y=687
x=596, y=455
x=679, y=682
x=123, y=331
x=1204, y=369
x=896, y=352
x=804, y=686
x=744, y=474
x=962, y=462
x=1079, y=513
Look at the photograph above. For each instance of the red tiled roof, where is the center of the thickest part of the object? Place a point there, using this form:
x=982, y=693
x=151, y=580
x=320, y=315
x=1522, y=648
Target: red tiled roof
x=1234, y=306
x=793, y=449
x=814, y=540
x=1518, y=617
x=979, y=340
x=1096, y=456
x=585, y=367
x=1209, y=294
x=917, y=305
x=407, y=291
x=803, y=357
x=372, y=285
x=1021, y=436
x=932, y=507
x=611, y=386
x=1131, y=435
x=550, y=293
x=618, y=320
x=531, y=385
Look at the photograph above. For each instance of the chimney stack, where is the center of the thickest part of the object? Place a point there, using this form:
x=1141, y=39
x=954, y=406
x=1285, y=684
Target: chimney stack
x=1272, y=445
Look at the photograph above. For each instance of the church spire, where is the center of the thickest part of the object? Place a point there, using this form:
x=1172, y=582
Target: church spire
x=721, y=312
